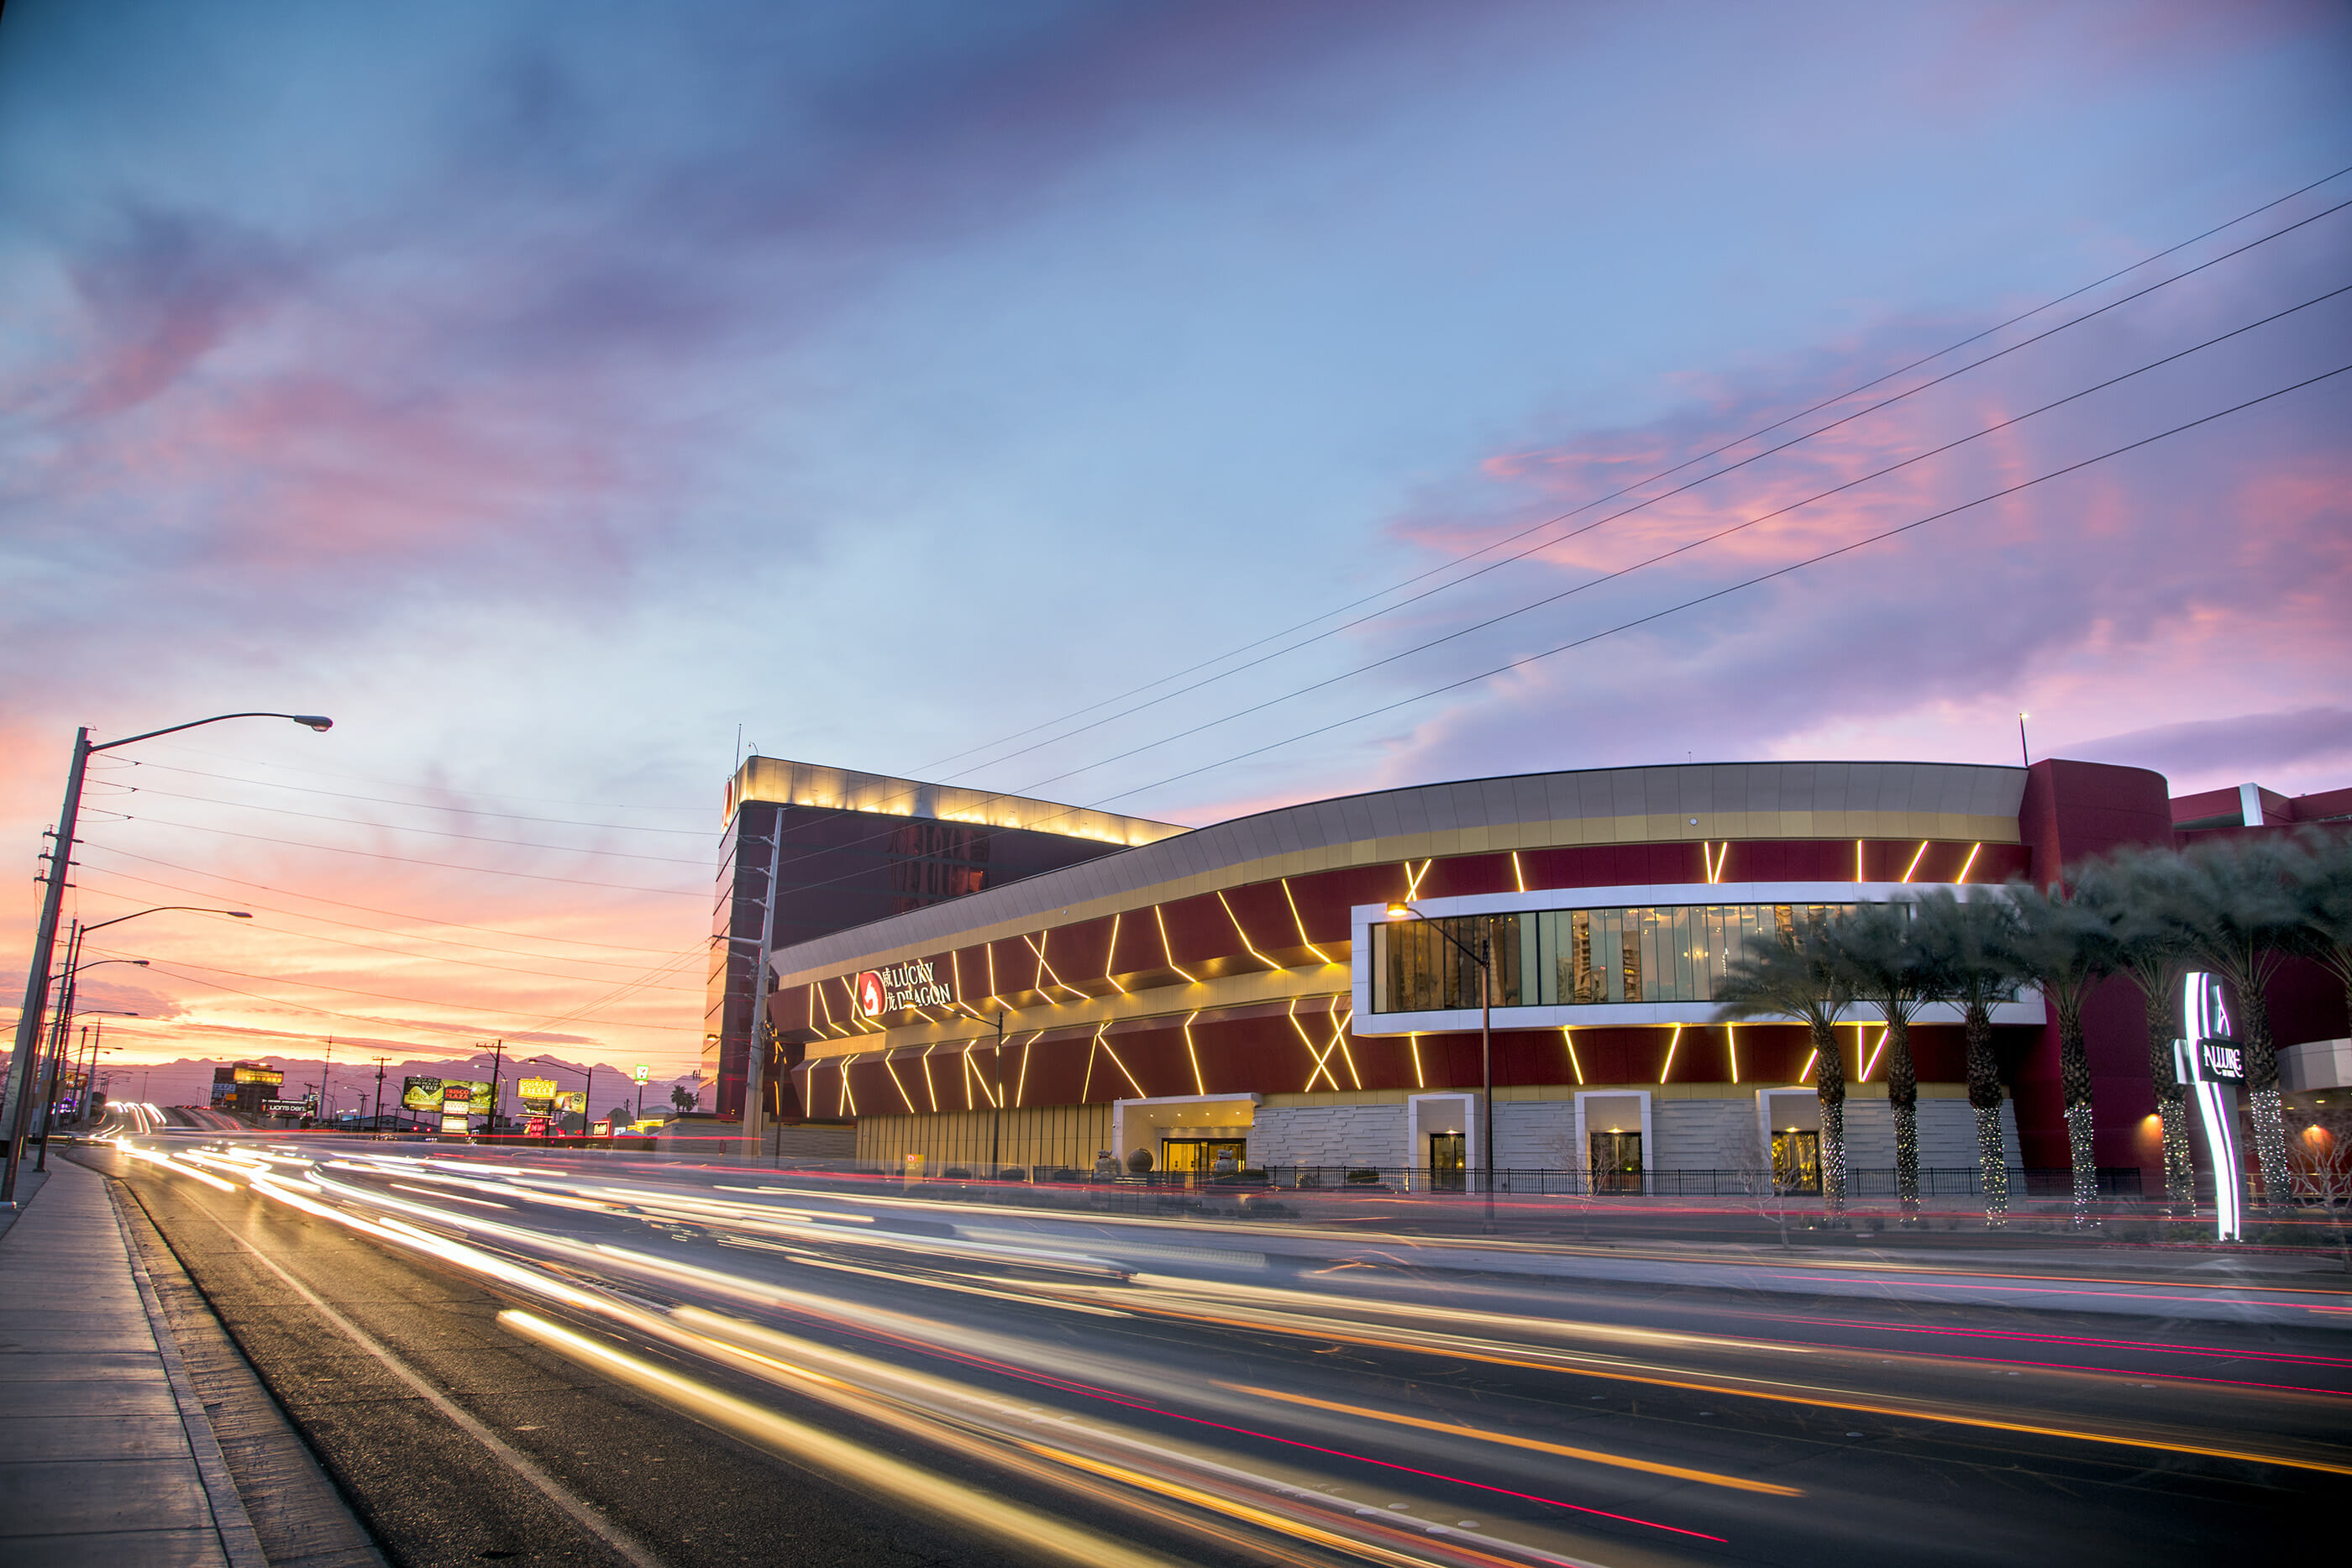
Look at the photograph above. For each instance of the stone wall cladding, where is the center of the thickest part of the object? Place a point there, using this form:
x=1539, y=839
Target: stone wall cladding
x=1328, y=1135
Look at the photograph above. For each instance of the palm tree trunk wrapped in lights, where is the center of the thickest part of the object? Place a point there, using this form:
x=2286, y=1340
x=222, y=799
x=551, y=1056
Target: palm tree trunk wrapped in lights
x=1798, y=976
x=1984, y=1099
x=2066, y=948
x=1967, y=958
x=2237, y=908
x=1885, y=965
x=2130, y=890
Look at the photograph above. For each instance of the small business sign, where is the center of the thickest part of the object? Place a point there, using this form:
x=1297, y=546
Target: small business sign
x=456, y=1094
x=268, y=1075
x=534, y=1126
x=641, y=1072
x=601, y=1128
x=913, y=983
x=286, y=1107
x=535, y=1093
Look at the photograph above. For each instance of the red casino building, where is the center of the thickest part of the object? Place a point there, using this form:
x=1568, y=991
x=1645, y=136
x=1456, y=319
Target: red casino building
x=1237, y=993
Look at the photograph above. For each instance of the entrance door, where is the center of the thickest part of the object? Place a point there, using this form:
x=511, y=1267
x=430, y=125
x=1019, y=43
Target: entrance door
x=1197, y=1158
x=1448, y=1158
x=1797, y=1161
x=1617, y=1161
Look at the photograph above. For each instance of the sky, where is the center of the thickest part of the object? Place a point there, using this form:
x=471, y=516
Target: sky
x=1185, y=409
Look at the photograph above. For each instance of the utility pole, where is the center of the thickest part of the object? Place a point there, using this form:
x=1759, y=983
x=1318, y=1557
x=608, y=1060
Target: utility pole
x=376, y=1122
x=498, y=1062
x=326, y=1078
x=755, y=1063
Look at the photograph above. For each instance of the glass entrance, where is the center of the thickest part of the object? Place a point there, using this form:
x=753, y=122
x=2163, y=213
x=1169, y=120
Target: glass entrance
x=1197, y=1159
x=1617, y=1161
x=1797, y=1161
x=1448, y=1159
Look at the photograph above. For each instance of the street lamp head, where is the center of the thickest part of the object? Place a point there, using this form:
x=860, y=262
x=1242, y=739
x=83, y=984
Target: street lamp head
x=317, y=721
x=1399, y=910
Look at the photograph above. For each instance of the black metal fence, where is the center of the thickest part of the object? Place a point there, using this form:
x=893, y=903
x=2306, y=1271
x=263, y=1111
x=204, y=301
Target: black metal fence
x=1862, y=1183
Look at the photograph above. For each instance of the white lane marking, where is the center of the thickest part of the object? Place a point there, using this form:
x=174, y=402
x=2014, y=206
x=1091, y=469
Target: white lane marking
x=587, y=1517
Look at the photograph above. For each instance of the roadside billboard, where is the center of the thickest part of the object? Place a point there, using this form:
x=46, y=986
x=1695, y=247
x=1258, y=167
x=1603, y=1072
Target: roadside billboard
x=428, y=1093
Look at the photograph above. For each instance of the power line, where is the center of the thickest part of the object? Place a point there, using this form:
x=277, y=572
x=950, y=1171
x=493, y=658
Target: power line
x=1649, y=501
x=1700, y=457
x=366, y=908
x=353, y=925
x=382, y=996
x=394, y=828
x=428, y=806
x=396, y=783
x=411, y=859
x=1721, y=592
x=1038, y=784
x=1992, y=429
x=1022, y=790
x=469, y=963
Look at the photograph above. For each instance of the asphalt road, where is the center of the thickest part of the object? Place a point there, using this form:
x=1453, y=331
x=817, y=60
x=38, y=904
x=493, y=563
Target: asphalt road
x=569, y=1359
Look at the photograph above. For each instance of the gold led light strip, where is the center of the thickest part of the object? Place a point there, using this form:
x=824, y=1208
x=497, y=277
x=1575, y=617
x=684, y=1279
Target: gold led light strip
x=1857, y=860
x=1340, y=1039
x=1965, y=865
x=1244, y=935
x=1296, y=916
x=1412, y=879
x=1413, y=1043
x=1200, y=1085
x=1021, y=1085
x=1115, y=1062
x=1322, y=1068
x=1810, y=1057
x=1882, y=1033
x=1573, y=1065
x=1916, y=858
x=1666, y=1071
x=849, y=1096
x=891, y=1068
x=1518, y=875
x=1166, y=951
x=1110, y=957
x=1731, y=1037
x=929, y=1087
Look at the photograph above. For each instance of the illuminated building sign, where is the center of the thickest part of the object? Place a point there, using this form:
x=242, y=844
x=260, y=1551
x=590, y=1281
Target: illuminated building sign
x=268, y=1075
x=2221, y=1061
x=913, y=983
x=536, y=1092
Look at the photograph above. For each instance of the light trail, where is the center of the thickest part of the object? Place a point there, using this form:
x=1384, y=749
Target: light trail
x=938, y=1323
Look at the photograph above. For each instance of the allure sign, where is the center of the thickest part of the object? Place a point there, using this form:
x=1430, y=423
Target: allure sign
x=913, y=983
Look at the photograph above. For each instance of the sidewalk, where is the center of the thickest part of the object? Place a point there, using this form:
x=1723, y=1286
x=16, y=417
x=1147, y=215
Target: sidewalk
x=105, y=1453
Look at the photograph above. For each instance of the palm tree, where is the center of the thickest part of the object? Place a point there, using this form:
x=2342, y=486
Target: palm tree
x=2130, y=889
x=1965, y=944
x=2066, y=949
x=2237, y=914
x=2322, y=889
x=1885, y=967
x=1797, y=976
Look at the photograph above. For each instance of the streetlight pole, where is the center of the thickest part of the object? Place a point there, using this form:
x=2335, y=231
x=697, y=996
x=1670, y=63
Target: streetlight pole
x=1484, y=958
x=21, y=1123
x=34, y=1013
x=996, y=1116
x=375, y=1122
x=67, y=1013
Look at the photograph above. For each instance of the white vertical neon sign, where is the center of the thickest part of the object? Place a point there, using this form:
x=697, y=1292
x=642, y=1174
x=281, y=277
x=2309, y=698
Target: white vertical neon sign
x=2206, y=1014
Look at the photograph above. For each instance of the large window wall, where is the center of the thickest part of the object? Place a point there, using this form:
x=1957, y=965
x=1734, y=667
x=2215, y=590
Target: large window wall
x=1566, y=958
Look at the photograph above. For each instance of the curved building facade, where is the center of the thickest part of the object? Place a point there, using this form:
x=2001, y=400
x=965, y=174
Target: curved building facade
x=1236, y=990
